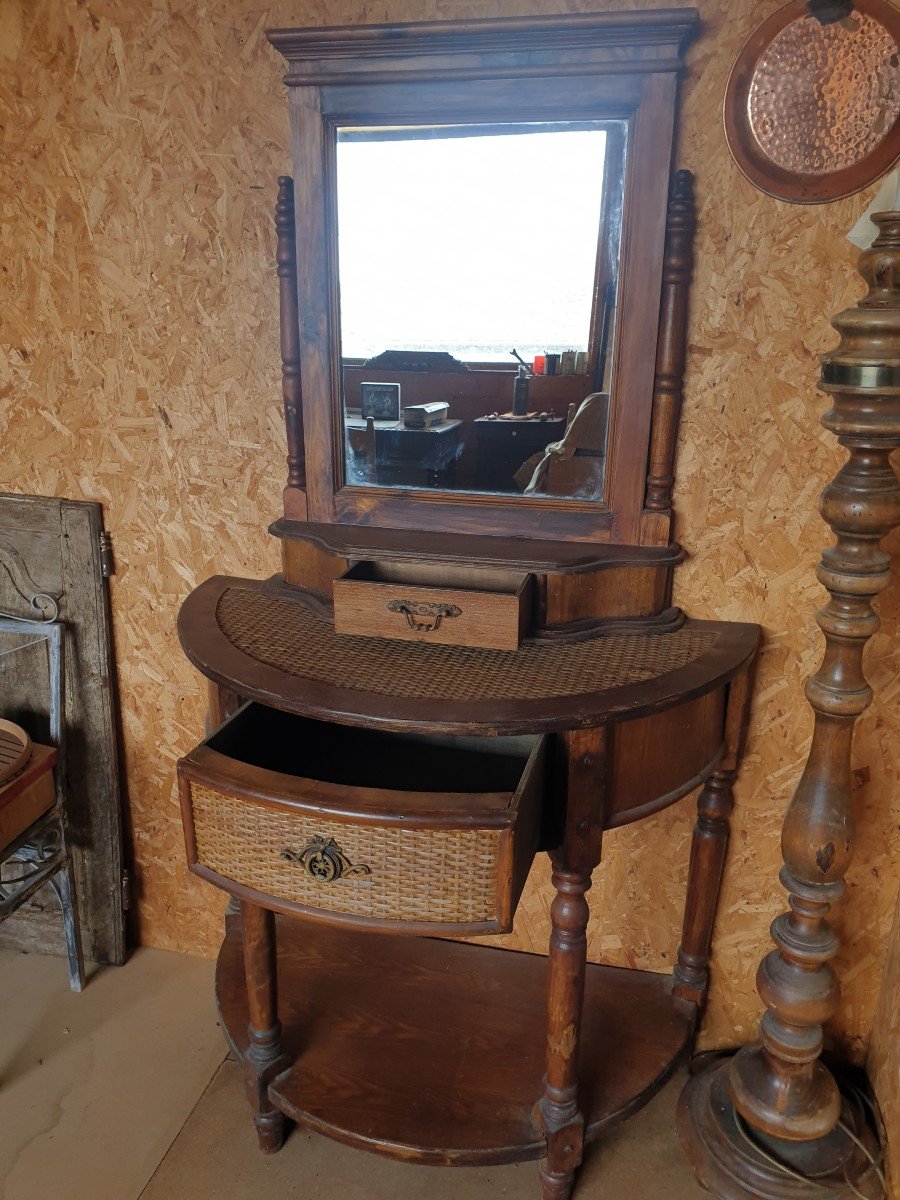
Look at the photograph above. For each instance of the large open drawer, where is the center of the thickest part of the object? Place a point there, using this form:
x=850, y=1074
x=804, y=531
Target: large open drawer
x=414, y=832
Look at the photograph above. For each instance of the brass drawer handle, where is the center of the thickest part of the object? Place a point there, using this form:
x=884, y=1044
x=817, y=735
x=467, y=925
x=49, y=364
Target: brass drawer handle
x=422, y=616
x=324, y=860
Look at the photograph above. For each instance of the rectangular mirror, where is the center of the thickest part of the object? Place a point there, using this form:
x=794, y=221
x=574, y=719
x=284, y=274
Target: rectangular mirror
x=478, y=271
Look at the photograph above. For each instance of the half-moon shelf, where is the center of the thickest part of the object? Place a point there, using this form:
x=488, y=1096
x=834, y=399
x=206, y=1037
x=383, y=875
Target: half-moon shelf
x=468, y=1025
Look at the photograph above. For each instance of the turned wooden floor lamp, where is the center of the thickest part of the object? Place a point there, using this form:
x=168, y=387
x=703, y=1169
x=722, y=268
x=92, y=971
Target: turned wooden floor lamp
x=761, y=1124
x=772, y=1123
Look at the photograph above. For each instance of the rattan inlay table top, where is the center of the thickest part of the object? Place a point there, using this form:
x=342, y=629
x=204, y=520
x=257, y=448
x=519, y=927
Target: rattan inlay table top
x=290, y=637
x=261, y=644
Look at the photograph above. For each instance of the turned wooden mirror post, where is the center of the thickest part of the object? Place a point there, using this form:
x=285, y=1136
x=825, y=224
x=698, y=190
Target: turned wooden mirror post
x=286, y=259
x=779, y=1087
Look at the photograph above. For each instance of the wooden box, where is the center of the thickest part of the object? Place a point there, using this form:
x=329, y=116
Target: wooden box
x=29, y=795
x=348, y=824
x=370, y=600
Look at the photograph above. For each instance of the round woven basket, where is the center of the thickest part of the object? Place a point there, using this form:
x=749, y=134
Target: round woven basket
x=15, y=750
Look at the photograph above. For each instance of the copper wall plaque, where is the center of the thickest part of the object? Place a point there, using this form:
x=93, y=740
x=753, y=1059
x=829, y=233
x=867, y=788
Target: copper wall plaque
x=812, y=108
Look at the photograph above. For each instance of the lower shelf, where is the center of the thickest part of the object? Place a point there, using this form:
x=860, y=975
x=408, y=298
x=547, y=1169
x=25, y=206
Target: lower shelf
x=434, y=1051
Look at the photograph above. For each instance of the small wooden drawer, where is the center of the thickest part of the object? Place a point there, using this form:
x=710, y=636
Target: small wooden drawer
x=372, y=600
x=415, y=832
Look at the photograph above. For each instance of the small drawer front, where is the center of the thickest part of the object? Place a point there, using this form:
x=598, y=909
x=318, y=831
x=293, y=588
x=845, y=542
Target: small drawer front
x=372, y=607
x=381, y=872
x=425, y=832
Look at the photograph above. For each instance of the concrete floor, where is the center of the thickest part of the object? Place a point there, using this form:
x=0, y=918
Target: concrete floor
x=126, y=1093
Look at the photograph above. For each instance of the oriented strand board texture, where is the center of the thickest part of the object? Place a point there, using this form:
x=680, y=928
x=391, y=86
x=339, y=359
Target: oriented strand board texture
x=884, y=1052
x=141, y=141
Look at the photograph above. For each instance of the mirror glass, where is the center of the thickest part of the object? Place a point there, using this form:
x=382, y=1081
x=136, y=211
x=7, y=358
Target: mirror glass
x=478, y=267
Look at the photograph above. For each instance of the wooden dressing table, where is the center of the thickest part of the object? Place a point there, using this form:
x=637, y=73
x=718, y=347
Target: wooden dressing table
x=511, y=678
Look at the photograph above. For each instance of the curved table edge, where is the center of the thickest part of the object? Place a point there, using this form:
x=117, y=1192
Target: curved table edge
x=207, y=648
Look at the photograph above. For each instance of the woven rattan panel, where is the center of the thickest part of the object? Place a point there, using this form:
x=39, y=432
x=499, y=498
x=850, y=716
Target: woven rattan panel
x=415, y=875
x=291, y=638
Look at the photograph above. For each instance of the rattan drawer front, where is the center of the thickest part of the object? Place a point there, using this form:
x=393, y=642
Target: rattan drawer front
x=394, y=874
x=419, y=832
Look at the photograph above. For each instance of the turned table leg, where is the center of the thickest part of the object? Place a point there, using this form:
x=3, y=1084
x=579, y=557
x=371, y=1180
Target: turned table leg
x=263, y=1059
x=708, y=847
x=583, y=769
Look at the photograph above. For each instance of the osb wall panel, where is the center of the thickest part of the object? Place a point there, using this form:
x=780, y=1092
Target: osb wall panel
x=142, y=139
x=884, y=1052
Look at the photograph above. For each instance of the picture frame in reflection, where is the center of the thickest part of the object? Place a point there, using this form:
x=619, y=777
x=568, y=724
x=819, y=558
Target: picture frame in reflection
x=380, y=401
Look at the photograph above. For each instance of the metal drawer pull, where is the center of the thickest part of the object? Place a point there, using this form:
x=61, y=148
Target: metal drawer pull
x=422, y=616
x=325, y=861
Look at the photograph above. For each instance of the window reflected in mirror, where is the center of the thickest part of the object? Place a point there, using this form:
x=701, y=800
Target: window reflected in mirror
x=477, y=269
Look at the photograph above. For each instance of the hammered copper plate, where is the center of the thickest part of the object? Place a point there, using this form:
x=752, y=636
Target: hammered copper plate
x=812, y=108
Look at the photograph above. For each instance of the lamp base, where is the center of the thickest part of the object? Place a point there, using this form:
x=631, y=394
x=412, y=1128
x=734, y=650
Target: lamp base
x=736, y=1164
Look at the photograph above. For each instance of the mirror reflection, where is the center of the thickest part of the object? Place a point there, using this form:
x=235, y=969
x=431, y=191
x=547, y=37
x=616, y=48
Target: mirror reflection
x=478, y=268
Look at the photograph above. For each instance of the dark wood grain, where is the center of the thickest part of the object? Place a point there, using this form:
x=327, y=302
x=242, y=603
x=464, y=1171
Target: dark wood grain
x=584, y=766
x=376, y=49
x=286, y=259
x=650, y=164
x=221, y=704
x=653, y=761
x=671, y=348
x=731, y=1169
x=262, y=1056
x=609, y=593
x=708, y=846
x=590, y=66
x=315, y=314
x=466, y=1022
x=313, y=769
x=607, y=599
x=503, y=553
x=656, y=759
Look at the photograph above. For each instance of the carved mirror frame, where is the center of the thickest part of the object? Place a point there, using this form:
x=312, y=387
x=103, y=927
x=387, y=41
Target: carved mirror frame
x=621, y=66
